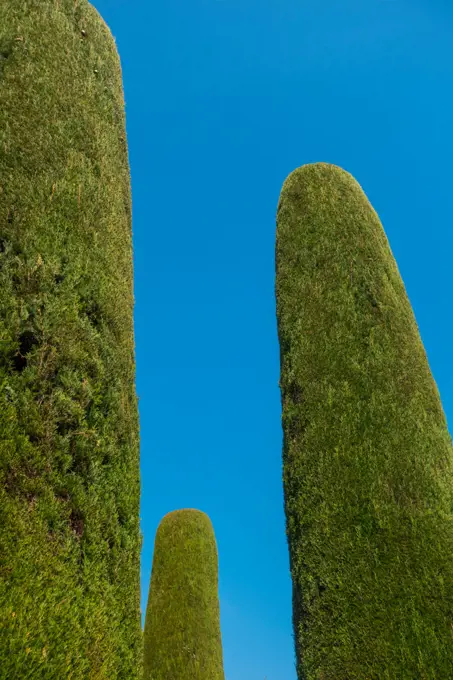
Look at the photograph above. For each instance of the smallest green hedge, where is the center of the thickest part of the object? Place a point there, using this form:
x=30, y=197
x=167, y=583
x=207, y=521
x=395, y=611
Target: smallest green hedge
x=182, y=627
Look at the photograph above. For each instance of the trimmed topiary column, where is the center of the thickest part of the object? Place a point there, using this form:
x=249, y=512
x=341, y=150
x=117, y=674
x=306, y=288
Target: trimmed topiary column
x=182, y=626
x=69, y=448
x=367, y=460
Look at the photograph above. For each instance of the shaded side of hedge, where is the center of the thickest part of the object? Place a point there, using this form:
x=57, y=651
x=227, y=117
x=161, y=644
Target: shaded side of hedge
x=69, y=447
x=367, y=460
x=182, y=628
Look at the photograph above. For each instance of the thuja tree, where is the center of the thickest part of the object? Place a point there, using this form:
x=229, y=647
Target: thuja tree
x=367, y=461
x=182, y=626
x=69, y=450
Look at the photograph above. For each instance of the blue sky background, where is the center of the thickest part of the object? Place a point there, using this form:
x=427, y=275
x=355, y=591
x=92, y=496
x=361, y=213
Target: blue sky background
x=224, y=98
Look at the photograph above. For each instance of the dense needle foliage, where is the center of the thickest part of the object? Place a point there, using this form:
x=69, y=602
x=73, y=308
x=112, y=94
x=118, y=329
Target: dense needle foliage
x=368, y=474
x=182, y=628
x=69, y=448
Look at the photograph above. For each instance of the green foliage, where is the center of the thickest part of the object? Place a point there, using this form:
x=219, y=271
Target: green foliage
x=182, y=628
x=368, y=468
x=69, y=449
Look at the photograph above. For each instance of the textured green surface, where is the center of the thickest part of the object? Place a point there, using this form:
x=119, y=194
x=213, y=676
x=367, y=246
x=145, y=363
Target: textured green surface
x=182, y=627
x=368, y=468
x=69, y=448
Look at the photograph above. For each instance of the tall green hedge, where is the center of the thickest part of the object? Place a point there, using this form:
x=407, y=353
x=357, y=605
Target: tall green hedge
x=182, y=627
x=69, y=448
x=368, y=467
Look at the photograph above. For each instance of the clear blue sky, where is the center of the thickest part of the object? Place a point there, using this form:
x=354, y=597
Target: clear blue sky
x=224, y=98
